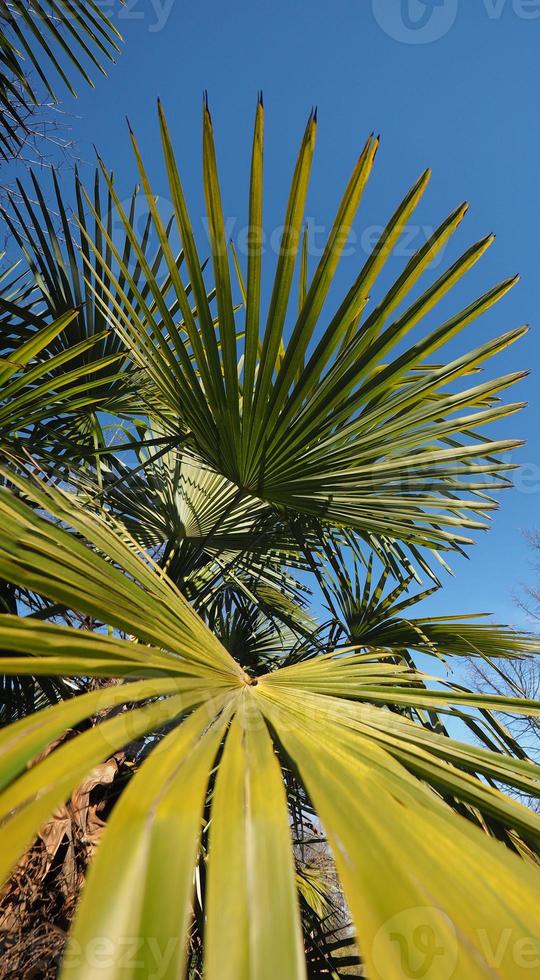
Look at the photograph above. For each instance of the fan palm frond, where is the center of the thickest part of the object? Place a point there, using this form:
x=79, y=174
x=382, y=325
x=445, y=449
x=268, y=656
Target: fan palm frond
x=34, y=388
x=373, y=616
x=50, y=39
x=341, y=417
x=371, y=773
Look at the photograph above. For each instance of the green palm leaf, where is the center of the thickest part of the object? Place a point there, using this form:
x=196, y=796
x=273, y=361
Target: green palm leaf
x=373, y=616
x=52, y=282
x=31, y=393
x=340, y=417
x=55, y=40
x=197, y=525
x=383, y=785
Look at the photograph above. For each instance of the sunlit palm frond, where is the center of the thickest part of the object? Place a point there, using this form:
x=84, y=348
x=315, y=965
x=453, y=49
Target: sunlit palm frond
x=56, y=260
x=35, y=388
x=51, y=246
x=340, y=416
x=371, y=614
x=372, y=774
x=196, y=523
x=43, y=42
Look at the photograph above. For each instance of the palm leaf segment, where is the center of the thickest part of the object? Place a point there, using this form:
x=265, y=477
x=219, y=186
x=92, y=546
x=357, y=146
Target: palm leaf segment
x=198, y=526
x=51, y=280
x=379, y=783
x=48, y=39
x=34, y=388
x=53, y=273
x=176, y=499
x=367, y=613
x=48, y=283
x=342, y=421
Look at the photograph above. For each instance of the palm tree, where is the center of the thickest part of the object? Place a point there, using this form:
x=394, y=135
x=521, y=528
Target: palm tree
x=311, y=449
x=42, y=40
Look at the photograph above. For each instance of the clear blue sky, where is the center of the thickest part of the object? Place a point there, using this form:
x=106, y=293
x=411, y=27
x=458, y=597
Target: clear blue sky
x=464, y=98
